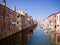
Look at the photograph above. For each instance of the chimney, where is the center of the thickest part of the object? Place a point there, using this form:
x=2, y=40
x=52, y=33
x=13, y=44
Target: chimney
x=14, y=8
x=4, y=2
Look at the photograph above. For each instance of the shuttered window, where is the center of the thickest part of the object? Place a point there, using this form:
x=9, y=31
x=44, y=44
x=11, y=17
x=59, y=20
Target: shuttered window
x=1, y=18
x=1, y=10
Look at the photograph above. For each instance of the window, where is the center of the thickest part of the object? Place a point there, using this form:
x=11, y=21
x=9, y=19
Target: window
x=56, y=18
x=59, y=17
x=14, y=13
x=1, y=18
x=17, y=22
x=11, y=27
x=50, y=21
x=6, y=12
x=1, y=10
x=55, y=26
x=0, y=27
x=18, y=16
x=11, y=12
x=6, y=19
x=11, y=20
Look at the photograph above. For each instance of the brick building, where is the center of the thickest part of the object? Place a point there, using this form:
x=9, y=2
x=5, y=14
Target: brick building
x=7, y=21
x=24, y=20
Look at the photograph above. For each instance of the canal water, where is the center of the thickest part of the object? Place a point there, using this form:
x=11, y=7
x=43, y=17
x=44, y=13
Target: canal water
x=39, y=38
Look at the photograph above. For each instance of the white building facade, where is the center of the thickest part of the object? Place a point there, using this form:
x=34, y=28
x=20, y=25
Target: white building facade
x=58, y=23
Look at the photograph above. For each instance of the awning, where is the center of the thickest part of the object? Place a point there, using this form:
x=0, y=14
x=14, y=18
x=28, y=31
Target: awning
x=14, y=22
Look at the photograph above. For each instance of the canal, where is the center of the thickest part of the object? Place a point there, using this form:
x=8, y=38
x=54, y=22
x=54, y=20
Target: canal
x=39, y=37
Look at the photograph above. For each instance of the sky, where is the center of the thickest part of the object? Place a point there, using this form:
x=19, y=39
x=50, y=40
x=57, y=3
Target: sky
x=38, y=9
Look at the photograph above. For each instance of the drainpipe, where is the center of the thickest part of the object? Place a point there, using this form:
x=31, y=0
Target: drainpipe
x=55, y=32
x=4, y=4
